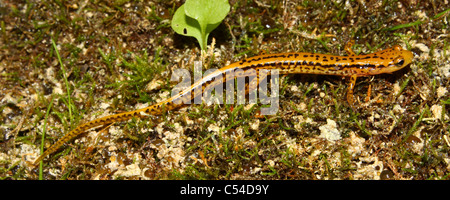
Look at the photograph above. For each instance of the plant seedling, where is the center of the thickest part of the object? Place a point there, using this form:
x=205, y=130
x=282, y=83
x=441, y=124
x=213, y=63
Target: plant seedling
x=197, y=18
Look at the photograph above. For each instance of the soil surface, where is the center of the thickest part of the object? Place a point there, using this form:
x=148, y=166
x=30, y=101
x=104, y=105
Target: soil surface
x=119, y=56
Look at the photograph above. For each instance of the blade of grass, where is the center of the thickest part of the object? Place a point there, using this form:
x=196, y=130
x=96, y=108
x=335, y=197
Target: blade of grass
x=43, y=136
x=65, y=80
x=402, y=87
x=418, y=22
x=441, y=14
x=362, y=128
x=416, y=124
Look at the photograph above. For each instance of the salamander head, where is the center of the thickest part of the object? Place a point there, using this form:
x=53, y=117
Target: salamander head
x=394, y=59
x=404, y=57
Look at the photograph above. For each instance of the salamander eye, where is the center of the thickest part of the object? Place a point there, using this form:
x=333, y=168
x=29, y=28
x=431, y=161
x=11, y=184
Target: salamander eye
x=400, y=62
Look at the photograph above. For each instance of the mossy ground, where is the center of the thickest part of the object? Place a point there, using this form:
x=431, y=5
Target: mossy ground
x=119, y=56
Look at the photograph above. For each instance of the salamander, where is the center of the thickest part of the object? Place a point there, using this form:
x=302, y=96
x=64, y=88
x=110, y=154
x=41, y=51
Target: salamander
x=352, y=66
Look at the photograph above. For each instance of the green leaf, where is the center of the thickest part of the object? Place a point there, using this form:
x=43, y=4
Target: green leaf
x=207, y=11
x=184, y=25
x=197, y=18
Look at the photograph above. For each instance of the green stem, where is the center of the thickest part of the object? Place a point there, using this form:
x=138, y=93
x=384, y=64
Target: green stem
x=204, y=37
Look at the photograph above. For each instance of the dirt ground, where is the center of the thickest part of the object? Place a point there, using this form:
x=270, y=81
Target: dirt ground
x=118, y=56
